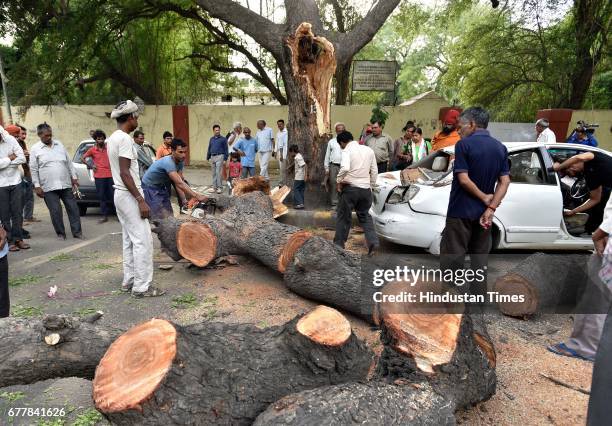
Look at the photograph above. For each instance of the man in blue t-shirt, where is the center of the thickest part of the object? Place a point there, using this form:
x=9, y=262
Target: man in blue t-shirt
x=247, y=148
x=481, y=162
x=157, y=179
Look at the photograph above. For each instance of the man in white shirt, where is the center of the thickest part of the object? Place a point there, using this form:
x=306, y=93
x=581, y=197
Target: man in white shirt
x=265, y=143
x=356, y=177
x=11, y=191
x=545, y=135
x=132, y=209
x=54, y=179
x=280, y=150
x=333, y=157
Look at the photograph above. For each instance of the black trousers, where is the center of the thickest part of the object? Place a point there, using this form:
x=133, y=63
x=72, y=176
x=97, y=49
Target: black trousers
x=382, y=167
x=106, y=194
x=52, y=199
x=596, y=213
x=5, y=302
x=358, y=199
x=11, y=211
x=461, y=237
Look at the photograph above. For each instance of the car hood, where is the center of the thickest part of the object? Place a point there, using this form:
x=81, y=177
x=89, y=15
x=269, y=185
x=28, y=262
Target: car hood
x=429, y=200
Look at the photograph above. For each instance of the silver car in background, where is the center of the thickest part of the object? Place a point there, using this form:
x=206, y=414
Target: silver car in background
x=87, y=183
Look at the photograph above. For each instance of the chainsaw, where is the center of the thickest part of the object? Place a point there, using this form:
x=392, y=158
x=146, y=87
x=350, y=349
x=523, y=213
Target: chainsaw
x=204, y=208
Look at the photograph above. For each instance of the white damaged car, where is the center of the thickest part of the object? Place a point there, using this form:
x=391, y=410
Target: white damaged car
x=409, y=207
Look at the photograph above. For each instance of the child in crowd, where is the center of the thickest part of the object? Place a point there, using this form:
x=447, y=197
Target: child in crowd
x=299, y=184
x=235, y=169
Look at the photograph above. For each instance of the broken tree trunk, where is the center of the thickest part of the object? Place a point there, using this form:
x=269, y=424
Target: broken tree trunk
x=247, y=227
x=542, y=281
x=431, y=365
x=56, y=346
x=214, y=373
x=313, y=267
x=360, y=403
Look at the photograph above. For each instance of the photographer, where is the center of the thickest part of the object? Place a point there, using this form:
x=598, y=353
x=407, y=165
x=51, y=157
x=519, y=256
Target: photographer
x=583, y=135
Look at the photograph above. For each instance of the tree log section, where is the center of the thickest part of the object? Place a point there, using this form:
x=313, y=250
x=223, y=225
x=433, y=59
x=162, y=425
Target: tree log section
x=215, y=373
x=372, y=403
x=545, y=281
x=247, y=227
x=26, y=358
x=430, y=366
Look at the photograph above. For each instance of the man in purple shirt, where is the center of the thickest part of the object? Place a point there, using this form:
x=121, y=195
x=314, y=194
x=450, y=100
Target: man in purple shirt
x=481, y=179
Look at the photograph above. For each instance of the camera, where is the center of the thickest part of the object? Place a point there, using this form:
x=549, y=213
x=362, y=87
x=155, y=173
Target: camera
x=588, y=128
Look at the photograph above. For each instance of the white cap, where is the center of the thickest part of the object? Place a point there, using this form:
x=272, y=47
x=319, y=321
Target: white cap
x=124, y=108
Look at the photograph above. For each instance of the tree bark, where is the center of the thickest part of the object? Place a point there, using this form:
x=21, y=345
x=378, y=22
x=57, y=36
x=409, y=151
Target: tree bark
x=343, y=81
x=544, y=281
x=26, y=358
x=360, y=403
x=215, y=373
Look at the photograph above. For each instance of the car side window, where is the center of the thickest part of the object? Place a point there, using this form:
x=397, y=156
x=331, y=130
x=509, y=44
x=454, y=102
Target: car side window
x=526, y=167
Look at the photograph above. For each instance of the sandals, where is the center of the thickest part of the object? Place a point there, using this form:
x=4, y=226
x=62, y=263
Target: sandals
x=150, y=292
x=563, y=350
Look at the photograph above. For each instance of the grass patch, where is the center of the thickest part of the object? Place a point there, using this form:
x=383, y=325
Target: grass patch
x=62, y=257
x=210, y=314
x=26, y=311
x=24, y=279
x=185, y=301
x=54, y=422
x=102, y=266
x=83, y=312
x=263, y=324
x=12, y=396
x=88, y=418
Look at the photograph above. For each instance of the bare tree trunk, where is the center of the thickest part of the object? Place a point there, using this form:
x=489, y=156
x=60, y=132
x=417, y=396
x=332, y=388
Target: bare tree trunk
x=343, y=80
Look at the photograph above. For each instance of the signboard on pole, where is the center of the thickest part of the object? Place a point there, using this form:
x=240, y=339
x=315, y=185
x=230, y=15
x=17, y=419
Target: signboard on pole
x=374, y=76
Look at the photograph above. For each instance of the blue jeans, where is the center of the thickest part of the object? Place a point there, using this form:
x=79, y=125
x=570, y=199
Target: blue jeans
x=106, y=194
x=158, y=199
x=298, y=192
x=250, y=171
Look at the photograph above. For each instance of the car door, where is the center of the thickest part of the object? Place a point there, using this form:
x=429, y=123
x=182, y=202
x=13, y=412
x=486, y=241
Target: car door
x=532, y=209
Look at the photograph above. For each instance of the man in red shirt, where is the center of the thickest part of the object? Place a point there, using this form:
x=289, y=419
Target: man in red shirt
x=102, y=174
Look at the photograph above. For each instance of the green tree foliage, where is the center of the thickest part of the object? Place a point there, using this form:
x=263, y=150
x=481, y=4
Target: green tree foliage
x=510, y=60
x=96, y=52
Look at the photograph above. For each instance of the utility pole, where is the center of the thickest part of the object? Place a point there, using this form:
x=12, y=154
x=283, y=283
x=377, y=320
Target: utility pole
x=4, y=91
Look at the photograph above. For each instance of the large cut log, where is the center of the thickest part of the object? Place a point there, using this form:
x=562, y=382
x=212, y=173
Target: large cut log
x=56, y=346
x=247, y=227
x=373, y=403
x=431, y=365
x=214, y=373
x=540, y=282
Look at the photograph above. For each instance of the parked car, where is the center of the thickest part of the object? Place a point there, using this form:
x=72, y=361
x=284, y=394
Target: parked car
x=87, y=184
x=412, y=211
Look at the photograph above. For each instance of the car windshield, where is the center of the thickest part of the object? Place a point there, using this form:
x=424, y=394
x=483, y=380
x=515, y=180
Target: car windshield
x=82, y=149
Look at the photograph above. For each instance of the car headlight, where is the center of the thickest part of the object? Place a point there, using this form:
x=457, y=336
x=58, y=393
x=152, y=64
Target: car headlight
x=402, y=194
